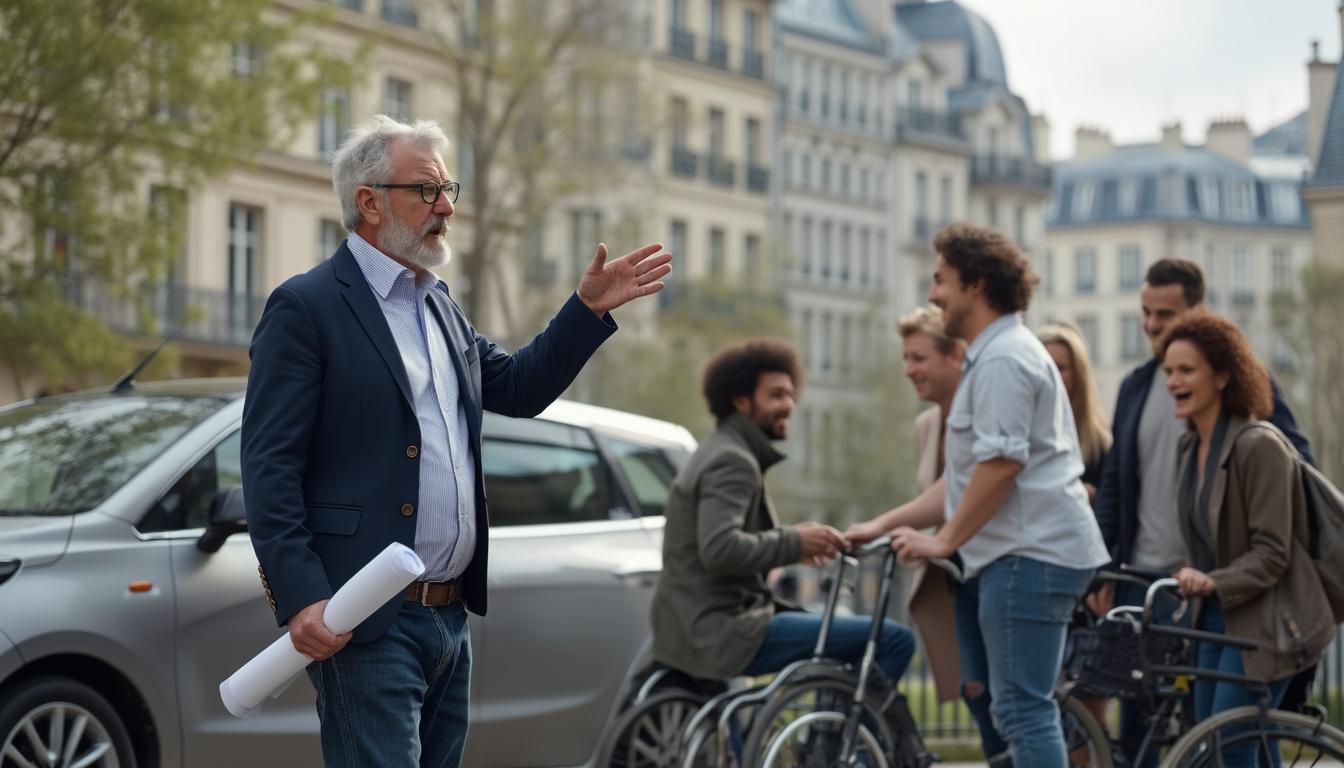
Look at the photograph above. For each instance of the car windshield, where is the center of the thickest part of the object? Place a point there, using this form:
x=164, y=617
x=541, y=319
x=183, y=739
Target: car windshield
x=65, y=456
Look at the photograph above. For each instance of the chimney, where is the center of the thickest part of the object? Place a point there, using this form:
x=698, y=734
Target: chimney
x=1090, y=142
x=1230, y=138
x=1320, y=90
x=1040, y=133
x=1171, y=136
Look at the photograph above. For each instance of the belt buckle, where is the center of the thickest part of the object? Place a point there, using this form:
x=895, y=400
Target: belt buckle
x=423, y=599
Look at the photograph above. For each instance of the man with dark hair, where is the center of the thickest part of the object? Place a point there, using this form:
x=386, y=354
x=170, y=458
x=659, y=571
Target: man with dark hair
x=1013, y=499
x=1136, y=502
x=713, y=615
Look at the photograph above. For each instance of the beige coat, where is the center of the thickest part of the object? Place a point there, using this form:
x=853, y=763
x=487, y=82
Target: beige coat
x=1264, y=578
x=711, y=607
x=932, y=603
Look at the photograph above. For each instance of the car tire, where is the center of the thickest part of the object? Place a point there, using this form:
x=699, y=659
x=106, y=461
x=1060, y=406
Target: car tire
x=36, y=702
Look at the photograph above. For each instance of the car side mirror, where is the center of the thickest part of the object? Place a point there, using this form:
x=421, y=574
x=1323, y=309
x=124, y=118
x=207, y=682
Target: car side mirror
x=227, y=517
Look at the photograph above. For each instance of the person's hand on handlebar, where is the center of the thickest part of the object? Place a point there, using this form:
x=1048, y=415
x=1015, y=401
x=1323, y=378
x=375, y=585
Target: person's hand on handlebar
x=1194, y=582
x=1102, y=601
x=820, y=542
x=862, y=533
x=911, y=544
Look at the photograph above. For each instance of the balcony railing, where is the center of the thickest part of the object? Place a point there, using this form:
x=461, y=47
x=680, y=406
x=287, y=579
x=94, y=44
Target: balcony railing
x=683, y=43
x=685, y=162
x=717, y=301
x=911, y=120
x=753, y=64
x=170, y=310
x=722, y=173
x=1021, y=171
x=758, y=178
x=718, y=53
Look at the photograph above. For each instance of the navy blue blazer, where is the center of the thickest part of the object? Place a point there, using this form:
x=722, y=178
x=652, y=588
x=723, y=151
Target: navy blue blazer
x=330, y=440
x=1117, y=502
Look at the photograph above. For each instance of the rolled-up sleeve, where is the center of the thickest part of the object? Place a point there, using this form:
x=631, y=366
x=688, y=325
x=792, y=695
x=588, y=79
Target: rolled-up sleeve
x=1003, y=399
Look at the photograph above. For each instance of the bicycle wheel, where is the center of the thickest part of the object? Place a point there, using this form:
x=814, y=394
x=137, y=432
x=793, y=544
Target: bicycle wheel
x=1085, y=740
x=1298, y=739
x=649, y=734
x=803, y=724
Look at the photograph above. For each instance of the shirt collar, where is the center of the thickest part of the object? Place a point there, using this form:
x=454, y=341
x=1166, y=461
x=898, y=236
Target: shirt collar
x=1004, y=323
x=382, y=272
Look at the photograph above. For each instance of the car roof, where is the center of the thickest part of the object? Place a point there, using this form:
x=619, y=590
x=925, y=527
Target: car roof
x=569, y=412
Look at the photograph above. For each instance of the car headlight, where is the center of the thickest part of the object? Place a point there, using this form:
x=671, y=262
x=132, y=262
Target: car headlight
x=8, y=567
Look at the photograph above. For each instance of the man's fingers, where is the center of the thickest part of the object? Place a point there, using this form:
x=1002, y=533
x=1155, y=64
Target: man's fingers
x=599, y=258
x=656, y=274
x=638, y=255
x=648, y=265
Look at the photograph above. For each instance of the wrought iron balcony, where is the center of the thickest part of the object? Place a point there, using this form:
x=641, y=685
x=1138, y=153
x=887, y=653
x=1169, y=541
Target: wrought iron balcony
x=1017, y=171
x=753, y=64
x=685, y=162
x=718, y=53
x=910, y=120
x=682, y=43
x=171, y=310
x=722, y=173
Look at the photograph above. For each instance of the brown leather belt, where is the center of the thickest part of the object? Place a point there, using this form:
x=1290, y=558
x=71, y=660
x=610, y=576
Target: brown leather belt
x=435, y=593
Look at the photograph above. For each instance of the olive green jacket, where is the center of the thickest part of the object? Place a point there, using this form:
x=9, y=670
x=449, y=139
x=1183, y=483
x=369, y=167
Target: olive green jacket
x=711, y=606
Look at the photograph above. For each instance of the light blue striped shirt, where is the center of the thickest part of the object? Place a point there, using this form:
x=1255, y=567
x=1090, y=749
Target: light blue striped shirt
x=1011, y=404
x=445, y=523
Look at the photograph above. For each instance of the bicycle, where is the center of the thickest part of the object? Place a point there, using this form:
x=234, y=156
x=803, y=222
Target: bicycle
x=1163, y=677
x=840, y=717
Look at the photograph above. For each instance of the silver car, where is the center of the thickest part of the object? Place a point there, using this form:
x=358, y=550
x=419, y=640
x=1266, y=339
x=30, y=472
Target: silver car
x=129, y=589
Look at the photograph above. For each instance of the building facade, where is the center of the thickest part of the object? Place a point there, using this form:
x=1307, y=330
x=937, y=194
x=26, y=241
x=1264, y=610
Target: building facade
x=1232, y=208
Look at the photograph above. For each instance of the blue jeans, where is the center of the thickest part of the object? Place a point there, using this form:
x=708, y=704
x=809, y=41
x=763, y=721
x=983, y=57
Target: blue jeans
x=401, y=700
x=1212, y=697
x=975, y=672
x=1025, y=608
x=791, y=636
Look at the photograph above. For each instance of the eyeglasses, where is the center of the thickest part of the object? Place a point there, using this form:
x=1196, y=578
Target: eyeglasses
x=429, y=190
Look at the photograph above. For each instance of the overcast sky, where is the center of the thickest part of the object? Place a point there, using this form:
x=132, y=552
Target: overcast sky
x=1131, y=65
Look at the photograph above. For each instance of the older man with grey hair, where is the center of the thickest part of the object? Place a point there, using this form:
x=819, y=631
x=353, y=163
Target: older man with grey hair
x=362, y=426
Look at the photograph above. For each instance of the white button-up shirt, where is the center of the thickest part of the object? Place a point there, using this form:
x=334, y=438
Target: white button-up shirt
x=445, y=524
x=1011, y=404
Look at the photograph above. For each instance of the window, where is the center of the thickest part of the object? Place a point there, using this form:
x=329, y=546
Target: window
x=753, y=141
x=826, y=174
x=556, y=477
x=1048, y=273
x=585, y=232
x=209, y=483
x=1084, y=196
x=865, y=255
x=843, y=111
x=1132, y=340
x=804, y=80
x=921, y=204
x=715, y=19
x=1281, y=268
x=1208, y=197
x=1285, y=203
x=805, y=247
x=400, y=12
x=648, y=472
x=944, y=201
x=992, y=209
x=846, y=342
x=1084, y=271
x=168, y=209
x=751, y=260
x=805, y=335
x=1087, y=325
x=880, y=261
x=717, y=257
x=845, y=237
x=750, y=21
x=333, y=122
x=827, y=342
x=1020, y=225
x=1241, y=270
x=677, y=238
x=1240, y=200
x=246, y=59
x=1131, y=266
x=330, y=233
x=681, y=123
x=397, y=99
x=715, y=135
x=244, y=257
x=825, y=90
x=786, y=166
x=806, y=171
x=914, y=97
x=844, y=179
x=825, y=249
x=1128, y=196
x=865, y=192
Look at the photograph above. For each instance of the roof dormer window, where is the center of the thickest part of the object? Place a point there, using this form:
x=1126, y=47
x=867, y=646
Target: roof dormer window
x=1128, y=197
x=1240, y=201
x=1208, y=197
x=1084, y=197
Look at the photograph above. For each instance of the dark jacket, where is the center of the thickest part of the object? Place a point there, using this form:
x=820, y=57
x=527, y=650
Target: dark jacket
x=1263, y=576
x=1117, y=502
x=330, y=473
x=711, y=607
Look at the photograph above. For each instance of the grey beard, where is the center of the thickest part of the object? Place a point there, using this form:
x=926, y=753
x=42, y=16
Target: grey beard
x=400, y=239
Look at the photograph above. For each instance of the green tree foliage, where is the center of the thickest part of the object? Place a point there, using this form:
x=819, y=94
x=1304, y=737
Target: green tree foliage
x=548, y=102
x=1309, y=323
x=101, y=101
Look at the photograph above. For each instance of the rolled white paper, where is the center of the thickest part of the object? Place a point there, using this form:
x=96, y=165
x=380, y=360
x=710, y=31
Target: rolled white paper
x=270, y=672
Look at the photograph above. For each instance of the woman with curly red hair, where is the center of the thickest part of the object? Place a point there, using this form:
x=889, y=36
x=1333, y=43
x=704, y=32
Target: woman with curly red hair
x=1243, y=517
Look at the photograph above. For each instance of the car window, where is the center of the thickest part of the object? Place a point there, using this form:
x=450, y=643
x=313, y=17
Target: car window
x=647, y=470
x=65, y=456
x=187, y=504
x=531, y=482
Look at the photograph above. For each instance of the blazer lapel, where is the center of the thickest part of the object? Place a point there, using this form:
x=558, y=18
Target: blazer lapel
x=1219, y=490
x=364, y=304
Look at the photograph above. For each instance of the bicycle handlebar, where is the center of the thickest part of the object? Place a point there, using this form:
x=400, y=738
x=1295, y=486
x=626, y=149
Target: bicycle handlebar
x=874, y=547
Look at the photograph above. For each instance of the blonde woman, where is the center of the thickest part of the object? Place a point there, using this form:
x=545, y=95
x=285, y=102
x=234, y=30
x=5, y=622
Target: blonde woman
x=1069, y=351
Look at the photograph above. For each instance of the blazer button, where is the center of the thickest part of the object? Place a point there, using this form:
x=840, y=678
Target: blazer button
x=412, y=451
x=407, y=510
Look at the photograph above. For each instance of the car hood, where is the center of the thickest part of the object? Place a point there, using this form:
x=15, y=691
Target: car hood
x=35, y=540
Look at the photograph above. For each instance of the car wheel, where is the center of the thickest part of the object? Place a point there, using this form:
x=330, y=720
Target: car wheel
x=57, y=722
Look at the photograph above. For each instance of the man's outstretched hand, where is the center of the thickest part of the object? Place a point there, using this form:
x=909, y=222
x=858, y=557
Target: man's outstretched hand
x=607, y=285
